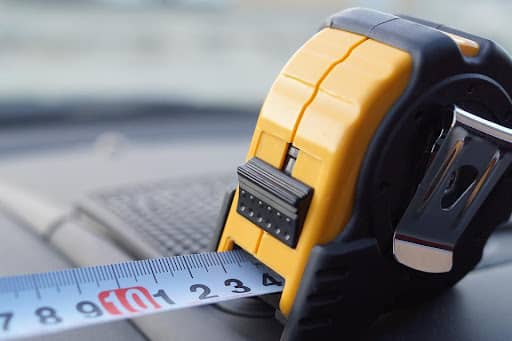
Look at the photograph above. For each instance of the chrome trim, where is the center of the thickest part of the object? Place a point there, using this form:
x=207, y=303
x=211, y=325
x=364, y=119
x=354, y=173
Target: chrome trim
x=482, y=125
x=421, y=257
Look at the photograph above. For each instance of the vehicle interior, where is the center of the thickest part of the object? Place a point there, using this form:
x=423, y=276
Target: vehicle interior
x=122, y=124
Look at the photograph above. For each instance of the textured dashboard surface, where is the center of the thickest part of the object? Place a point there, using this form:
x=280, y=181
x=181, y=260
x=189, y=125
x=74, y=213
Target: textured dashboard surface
x=173, y=216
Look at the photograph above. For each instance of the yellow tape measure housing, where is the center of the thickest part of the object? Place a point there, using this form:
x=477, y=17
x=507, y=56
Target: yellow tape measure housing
x=327, y=101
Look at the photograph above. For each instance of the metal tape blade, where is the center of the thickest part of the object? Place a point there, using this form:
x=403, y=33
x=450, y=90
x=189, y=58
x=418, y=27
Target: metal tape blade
x=49, y=302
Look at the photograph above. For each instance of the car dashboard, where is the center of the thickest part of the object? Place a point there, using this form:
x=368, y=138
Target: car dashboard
x=105, y=191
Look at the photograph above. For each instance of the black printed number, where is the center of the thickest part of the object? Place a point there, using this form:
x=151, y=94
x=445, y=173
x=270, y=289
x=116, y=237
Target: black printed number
x=89, y=309
x=163, y=295
x=238, y=285
x=206, y=291
x=268, y=280
x=6, y=317
x=48, y=315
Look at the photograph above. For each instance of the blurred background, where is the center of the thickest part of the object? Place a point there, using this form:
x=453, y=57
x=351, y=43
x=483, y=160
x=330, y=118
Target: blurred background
x=201, y=52
x=122, y=123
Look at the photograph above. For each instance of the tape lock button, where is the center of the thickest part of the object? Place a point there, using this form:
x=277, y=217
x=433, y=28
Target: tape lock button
x=273, y=200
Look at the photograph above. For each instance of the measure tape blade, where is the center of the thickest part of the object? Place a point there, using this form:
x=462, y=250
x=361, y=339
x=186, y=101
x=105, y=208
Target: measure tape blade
x=49, y=302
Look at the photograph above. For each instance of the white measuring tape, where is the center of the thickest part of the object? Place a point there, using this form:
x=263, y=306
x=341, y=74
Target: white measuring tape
x=53, y=301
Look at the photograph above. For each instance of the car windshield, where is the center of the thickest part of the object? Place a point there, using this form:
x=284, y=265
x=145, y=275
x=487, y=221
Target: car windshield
x=160, y=53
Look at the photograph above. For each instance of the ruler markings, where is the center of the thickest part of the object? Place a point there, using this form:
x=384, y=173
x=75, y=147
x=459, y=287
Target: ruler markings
x=95, y=275
x=169, y=264
x=184, y=260
x=112, y=274
x=152, y=272
x=54, y=280
x=219, y=259
x=91, y=295
x=36, y=288
x=133, y=272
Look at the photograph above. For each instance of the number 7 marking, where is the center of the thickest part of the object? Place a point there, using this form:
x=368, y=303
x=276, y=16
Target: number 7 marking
x=7, y=319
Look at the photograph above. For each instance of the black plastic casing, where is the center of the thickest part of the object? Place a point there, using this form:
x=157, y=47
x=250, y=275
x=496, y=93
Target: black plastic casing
x=349, y=282
x=352, y=280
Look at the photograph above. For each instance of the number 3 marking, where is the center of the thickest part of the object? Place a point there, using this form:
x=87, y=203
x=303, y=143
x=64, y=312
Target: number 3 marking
x=239, y=286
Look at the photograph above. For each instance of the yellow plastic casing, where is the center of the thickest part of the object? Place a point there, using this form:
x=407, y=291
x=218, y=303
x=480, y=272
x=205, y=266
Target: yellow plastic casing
x=468, y=47
x=327, y=101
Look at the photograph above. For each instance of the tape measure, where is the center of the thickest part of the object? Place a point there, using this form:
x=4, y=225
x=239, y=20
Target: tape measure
x=49, y=302
x=378, y=167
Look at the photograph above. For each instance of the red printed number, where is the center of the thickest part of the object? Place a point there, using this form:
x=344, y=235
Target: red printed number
x=127, y=301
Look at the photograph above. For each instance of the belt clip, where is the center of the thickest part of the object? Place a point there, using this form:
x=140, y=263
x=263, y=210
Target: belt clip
x=472, y=158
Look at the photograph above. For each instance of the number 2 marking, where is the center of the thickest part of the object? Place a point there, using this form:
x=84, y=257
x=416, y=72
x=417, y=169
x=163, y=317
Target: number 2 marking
x=206, y=291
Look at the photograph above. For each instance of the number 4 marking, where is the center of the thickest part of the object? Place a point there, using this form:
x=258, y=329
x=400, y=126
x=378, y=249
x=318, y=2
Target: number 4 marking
x=269, y=280
x=7, y=317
